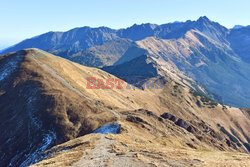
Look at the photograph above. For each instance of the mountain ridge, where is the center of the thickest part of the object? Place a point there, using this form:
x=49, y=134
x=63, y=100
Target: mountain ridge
x=193, y=46
x=49, y=113
x=110, y=30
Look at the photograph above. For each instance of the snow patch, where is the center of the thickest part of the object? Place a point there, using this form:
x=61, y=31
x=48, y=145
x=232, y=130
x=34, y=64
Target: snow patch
x=9, y=67
x=32, y=99
x=37, y=155
x=113, y=128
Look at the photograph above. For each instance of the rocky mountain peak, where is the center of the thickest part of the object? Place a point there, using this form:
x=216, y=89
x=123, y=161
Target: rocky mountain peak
x=204, y=19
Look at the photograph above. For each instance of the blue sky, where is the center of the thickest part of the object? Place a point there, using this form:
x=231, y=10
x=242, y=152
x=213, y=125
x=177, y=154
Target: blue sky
x=21, y=19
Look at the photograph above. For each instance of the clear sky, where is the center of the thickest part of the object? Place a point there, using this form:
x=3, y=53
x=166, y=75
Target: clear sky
x=21, y=19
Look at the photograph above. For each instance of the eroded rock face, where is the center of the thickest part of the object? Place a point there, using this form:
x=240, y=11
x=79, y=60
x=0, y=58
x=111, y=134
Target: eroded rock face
x=178, y=121
x=202, y=131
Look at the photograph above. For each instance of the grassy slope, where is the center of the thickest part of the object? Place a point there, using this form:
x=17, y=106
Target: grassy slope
x=148, y=139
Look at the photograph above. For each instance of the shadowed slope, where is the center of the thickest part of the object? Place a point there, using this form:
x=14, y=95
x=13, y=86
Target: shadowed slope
x=44, y=101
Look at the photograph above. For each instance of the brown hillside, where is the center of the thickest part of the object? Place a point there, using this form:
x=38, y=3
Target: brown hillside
x=44, y=102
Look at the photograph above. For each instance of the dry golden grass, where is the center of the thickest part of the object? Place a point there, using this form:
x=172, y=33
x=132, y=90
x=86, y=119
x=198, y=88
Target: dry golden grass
x=170, y=145
x=146, y=138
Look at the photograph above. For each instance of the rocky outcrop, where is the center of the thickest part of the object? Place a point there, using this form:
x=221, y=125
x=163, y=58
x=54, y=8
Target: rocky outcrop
x=179, y=122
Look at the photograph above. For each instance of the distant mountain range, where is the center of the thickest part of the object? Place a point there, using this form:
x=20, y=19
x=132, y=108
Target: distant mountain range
x=216, y=57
